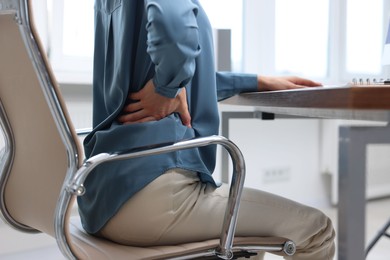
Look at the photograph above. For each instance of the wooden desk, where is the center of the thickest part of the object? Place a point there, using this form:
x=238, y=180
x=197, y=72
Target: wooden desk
x=358, y=102
x=362, y=102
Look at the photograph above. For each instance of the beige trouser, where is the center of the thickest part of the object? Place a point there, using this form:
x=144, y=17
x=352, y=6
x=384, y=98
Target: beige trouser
x=178, y=208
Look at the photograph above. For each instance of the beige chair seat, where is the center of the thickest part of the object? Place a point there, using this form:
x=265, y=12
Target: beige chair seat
x=97, y=248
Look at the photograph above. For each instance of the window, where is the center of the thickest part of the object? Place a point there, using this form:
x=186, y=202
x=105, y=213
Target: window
x=364, y=37
x=301, y=37
x=386, y=51
x=328, y=40
x=71, y=39
x=228, y=18
x=71, y=35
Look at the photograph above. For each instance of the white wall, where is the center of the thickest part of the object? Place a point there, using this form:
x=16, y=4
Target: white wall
x=282, y=157
x=78, y=99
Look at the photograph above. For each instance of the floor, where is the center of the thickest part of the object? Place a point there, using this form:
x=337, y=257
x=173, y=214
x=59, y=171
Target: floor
x=19, y=246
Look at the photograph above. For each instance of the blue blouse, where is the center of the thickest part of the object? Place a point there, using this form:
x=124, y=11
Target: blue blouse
x=169, y=42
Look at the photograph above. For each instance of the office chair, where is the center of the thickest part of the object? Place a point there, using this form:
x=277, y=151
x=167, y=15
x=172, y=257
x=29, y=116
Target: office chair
x=42, y=168
x=381, y=233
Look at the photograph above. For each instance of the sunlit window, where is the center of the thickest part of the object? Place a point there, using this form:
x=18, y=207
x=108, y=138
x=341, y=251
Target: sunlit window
x=323, y=39
x=364, y=42
x=228, y=18
x=78, y=28
x=301, y=37
x=71, y=52
x=71, y=39
x=386, y=49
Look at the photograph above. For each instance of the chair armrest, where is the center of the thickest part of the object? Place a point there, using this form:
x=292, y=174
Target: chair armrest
x=83, y=131
x=75, y=186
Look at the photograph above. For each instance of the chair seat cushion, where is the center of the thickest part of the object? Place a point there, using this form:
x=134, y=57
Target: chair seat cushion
x=91, y=247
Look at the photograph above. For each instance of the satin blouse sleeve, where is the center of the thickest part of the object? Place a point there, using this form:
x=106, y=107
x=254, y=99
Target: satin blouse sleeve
x=173, y=43
x=230, y=84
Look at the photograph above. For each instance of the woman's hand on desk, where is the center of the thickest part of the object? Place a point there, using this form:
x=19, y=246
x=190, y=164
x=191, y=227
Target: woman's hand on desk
x=265, y=83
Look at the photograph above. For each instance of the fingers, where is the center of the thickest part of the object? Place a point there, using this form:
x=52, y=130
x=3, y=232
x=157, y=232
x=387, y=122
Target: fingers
x=182, y=109
x=304, y=82
x=309, y=83
x=140, y=117
x=133, y=107
x=132, y=117
x=151, y=106
x=296, y=86
x=185, y=118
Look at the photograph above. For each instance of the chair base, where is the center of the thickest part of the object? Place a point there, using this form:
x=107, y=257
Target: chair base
x=382, y=232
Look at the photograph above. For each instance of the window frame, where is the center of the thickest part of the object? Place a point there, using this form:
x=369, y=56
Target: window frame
x=68, y=69
x=343, y=75
x=258, y=56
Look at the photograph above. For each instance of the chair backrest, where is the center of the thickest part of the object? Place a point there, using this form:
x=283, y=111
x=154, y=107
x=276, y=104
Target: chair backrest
x=44, y=145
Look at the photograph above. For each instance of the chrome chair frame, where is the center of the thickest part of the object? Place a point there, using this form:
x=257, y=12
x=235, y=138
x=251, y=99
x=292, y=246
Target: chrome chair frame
x=381, y=233
x=75, y=175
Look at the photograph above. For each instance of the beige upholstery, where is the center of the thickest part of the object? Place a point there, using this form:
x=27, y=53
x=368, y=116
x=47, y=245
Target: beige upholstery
x=40, y=158
x=41, y=161
x=105, y=250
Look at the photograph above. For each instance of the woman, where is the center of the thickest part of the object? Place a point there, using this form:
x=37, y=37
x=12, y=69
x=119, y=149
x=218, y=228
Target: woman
x=155, y=82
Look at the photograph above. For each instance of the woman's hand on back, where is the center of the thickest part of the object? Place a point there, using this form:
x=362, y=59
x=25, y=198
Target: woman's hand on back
x=151, y=106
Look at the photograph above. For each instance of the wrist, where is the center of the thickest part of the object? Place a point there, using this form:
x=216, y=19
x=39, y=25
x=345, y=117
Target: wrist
x=262, y=83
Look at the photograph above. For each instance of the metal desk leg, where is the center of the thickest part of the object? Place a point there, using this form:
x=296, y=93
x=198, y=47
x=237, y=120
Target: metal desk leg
x=382, y=233
x=352, y=195
x=352, y=180
x=352, y=187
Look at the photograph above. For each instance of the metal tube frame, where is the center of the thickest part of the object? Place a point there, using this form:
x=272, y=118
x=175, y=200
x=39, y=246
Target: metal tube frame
x=381, y=233
x=73, y=184
x=224, y=250
x=353, y=141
